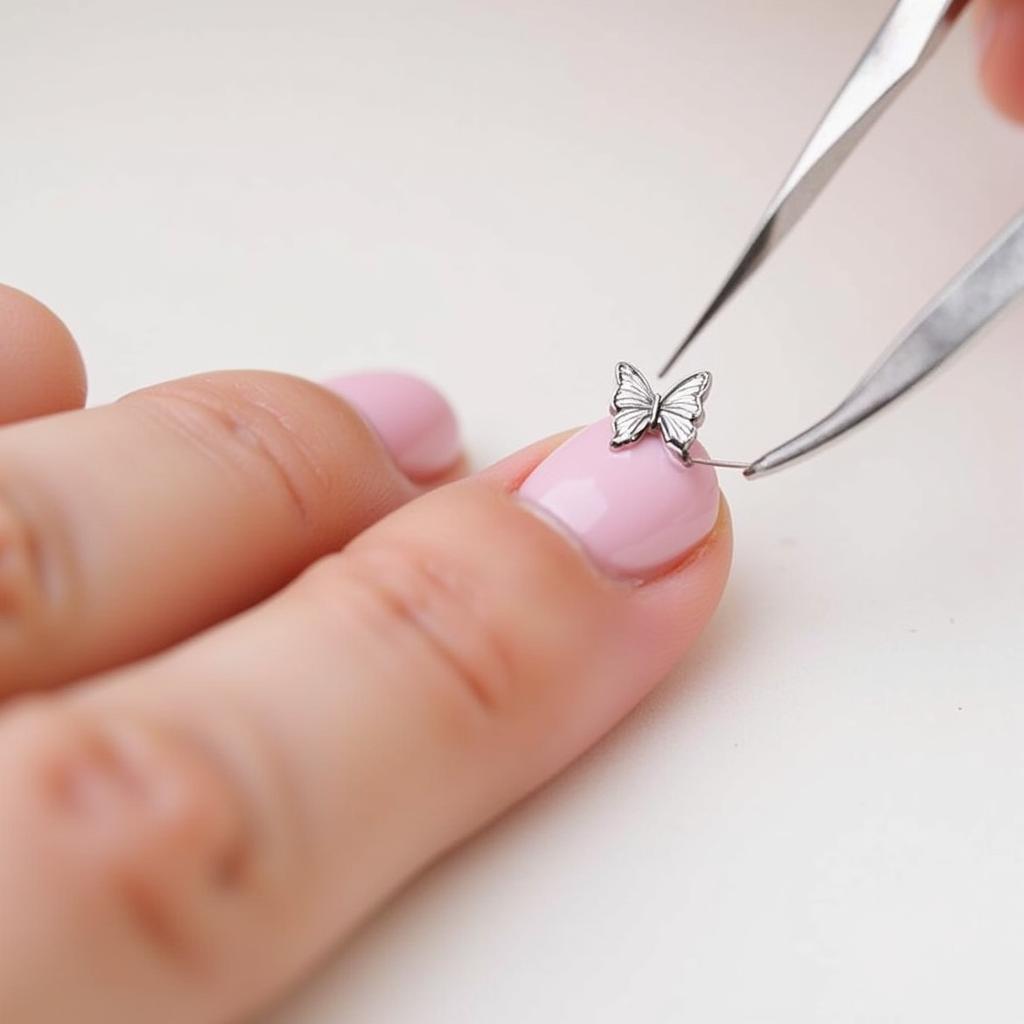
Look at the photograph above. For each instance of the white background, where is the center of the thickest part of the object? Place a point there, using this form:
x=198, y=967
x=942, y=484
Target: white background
x=819, y=817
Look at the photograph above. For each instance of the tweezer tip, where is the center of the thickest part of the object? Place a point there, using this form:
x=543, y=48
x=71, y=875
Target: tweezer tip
x=750, y=259
x=680, y=349
x=691, y=335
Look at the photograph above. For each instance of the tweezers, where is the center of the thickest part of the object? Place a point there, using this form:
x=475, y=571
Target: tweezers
x=910, y=34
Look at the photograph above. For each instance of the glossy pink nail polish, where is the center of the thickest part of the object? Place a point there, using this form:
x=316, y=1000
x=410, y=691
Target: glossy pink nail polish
x=414, y=421
x=636, y=511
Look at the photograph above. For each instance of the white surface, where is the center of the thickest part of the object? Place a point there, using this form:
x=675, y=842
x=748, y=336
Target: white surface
x=820, y=816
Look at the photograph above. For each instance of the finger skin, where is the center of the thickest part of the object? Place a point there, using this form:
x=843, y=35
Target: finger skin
x=322, y=747
x=41, y=370
x=1000, y=25
x=127, y=527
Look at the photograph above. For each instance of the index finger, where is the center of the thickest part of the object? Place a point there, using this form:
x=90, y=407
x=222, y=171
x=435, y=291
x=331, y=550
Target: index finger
x=233, y=807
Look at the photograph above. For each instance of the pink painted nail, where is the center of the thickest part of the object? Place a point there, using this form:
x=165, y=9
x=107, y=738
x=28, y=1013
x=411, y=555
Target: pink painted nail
x=636, y=511
x=411, y=416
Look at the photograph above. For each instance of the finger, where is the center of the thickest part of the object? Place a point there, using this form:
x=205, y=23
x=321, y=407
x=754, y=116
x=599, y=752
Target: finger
x=125, y=528
x=1001, y=38
x=41, y=370
x=227, y=810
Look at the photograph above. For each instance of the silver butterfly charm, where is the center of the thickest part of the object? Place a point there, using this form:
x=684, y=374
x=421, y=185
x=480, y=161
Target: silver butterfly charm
x=637, y=408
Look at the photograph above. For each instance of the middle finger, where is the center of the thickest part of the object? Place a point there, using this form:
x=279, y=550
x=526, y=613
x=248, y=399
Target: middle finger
x=127, y=527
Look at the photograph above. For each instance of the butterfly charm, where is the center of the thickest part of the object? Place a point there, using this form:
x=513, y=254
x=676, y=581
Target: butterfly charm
x=637, y=408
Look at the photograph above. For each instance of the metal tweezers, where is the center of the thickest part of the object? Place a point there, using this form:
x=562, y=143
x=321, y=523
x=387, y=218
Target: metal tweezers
x=910, y=34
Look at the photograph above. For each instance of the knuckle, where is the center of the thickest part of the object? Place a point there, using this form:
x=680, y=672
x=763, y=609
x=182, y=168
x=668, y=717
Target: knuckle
x=132, y=824
x=246, y=424
x=425, y=616
x=36, y=577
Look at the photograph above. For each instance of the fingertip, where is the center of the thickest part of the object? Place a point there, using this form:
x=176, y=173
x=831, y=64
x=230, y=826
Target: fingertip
x=1000, y=26
x=661, y=530
x=673, y=610
x=41, y=369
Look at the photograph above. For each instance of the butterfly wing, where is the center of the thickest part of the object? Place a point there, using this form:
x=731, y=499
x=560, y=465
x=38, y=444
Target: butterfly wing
x=632, y=390
x=632, y=405
x=678, y=431
x=687, y=397
x=682, y=411
x=629, y=426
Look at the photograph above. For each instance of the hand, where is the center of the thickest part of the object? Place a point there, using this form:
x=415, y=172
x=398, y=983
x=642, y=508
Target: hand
x=183, y=832
x=1001, y=36
x=360, y=661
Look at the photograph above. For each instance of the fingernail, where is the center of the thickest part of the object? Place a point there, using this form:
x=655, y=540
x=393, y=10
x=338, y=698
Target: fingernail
x=636, y=511
x=413, y=419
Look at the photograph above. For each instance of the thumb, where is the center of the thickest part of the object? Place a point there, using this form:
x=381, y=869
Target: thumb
x=1001, y=39
x=331, y=742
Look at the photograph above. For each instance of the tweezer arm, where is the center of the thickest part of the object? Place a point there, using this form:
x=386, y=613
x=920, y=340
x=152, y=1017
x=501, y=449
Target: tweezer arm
x=913, y=29
x=974, y=297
